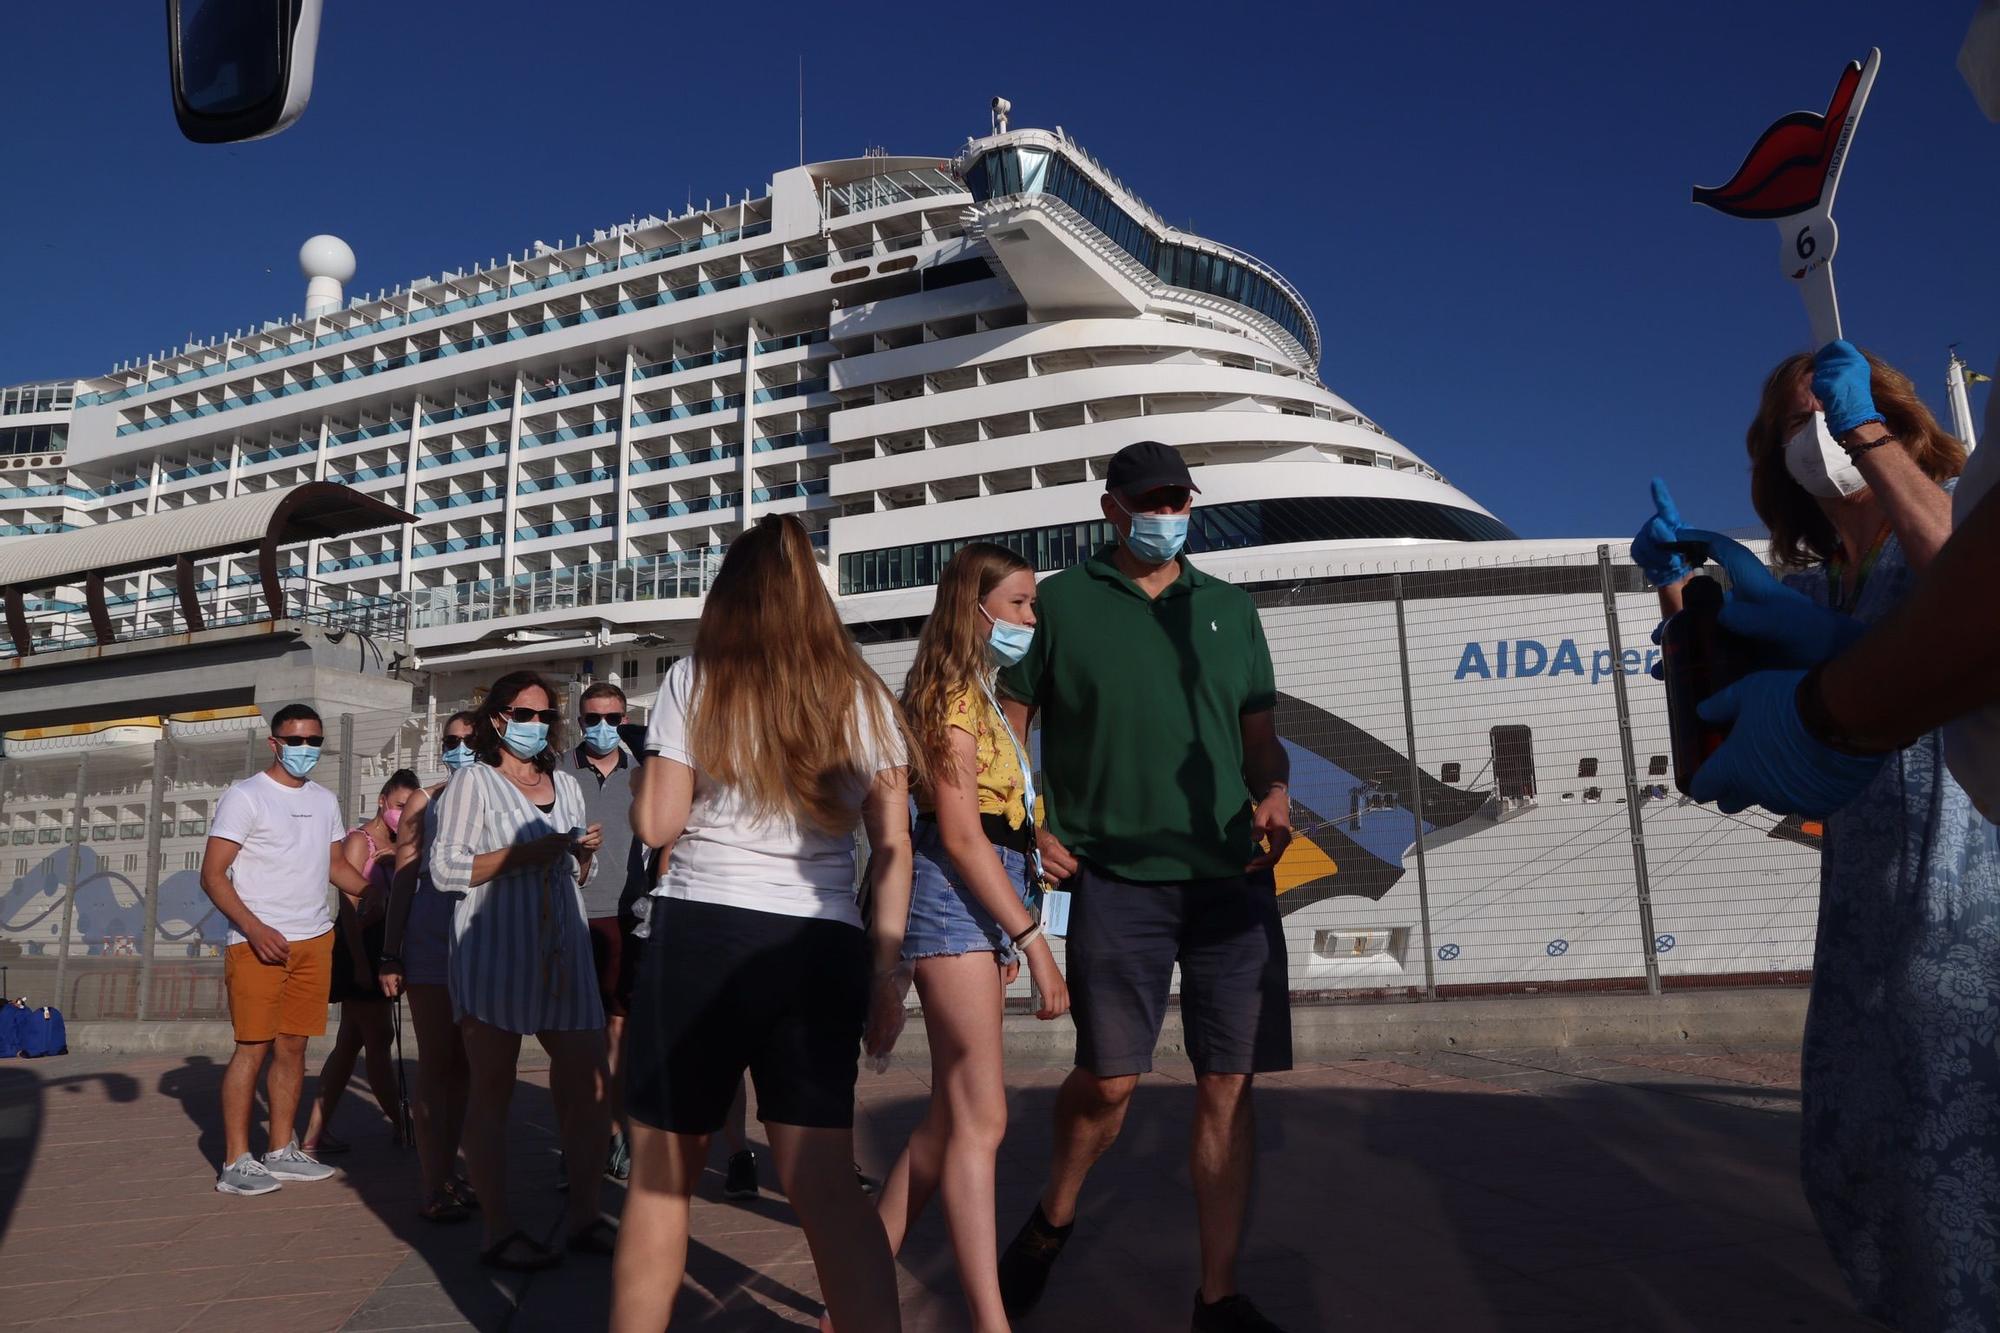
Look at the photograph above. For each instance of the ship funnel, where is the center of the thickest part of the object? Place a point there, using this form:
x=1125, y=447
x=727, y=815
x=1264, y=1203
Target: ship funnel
x=327, y=263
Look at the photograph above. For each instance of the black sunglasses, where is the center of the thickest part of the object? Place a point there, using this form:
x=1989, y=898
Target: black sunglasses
x=548, y=715
x=295, y=741
x=592, y=719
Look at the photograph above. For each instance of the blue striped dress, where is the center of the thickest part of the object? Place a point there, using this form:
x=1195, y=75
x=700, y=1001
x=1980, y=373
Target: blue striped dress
x=520, y=948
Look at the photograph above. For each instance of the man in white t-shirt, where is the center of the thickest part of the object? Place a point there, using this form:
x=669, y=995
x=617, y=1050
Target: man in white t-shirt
x=272, y=846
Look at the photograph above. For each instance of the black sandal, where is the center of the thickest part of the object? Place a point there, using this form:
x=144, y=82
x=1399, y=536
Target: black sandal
x=443, y=1209
x=600, y=1237
x=539, y=1256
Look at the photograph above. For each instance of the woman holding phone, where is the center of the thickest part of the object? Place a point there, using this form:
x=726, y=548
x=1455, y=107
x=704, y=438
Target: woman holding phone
x=511, y=844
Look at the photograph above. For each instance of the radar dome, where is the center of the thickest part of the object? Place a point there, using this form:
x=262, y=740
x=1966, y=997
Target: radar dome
x=327, y=257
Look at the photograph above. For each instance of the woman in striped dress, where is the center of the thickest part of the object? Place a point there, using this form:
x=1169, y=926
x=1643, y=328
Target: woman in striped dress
x=511, y=844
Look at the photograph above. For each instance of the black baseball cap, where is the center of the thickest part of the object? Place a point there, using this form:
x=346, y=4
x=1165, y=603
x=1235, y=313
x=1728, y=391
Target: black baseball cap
x=1146, y=465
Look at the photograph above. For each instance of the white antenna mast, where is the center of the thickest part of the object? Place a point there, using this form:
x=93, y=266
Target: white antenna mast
x=1961, y=404
x=802, y=109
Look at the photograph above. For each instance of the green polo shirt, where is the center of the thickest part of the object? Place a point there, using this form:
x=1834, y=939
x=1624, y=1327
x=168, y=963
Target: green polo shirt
x=1140, y=701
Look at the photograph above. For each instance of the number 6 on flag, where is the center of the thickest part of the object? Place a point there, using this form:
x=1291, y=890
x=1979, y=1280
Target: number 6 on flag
x=1790, y=177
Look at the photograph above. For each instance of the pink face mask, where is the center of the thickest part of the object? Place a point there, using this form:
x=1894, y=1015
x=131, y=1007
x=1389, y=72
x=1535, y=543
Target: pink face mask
x=392, y=816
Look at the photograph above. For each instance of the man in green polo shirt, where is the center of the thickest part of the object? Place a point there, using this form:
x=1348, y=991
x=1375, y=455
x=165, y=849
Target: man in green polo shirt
x=1164, y=773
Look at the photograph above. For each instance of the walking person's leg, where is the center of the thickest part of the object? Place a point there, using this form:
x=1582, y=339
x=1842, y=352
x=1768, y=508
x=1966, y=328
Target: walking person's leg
x=955, y=1148
x=284, y=1085
x=1235, y=1006
x=857, y=1275
x=1122, y=943
x=239, y=1096
x=651, y=1259
x=577, y=1079
x=439, y=1049
x=376, y=1023
x=333, y=1080
x=491, y=1054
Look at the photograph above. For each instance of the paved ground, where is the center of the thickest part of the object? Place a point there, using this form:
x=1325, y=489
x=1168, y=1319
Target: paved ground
x=1543, y=1190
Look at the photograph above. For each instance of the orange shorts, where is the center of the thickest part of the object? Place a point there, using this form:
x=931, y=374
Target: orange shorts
x=289, y=998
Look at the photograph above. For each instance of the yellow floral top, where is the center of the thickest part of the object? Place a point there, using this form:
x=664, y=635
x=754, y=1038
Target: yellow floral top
x=1001, y=784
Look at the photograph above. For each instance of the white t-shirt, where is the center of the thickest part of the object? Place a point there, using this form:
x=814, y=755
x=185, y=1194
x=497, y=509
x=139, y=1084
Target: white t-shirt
x=287, y=836
x=1972, y=743
x=771, y=865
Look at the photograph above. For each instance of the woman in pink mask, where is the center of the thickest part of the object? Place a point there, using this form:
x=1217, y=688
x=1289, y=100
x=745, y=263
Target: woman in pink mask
x=357, y=944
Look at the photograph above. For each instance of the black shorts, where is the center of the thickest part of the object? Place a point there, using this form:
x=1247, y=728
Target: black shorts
x=1124, y=939
x=724, y=989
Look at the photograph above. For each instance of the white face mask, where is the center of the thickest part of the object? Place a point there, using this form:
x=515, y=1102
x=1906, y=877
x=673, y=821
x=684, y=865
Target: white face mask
x=1818, y=463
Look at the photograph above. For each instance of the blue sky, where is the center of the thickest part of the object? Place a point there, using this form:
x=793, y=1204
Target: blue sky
x=1486, y=205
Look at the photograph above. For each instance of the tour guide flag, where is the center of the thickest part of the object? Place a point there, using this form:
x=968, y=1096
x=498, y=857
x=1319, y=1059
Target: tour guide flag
x=1789, y=177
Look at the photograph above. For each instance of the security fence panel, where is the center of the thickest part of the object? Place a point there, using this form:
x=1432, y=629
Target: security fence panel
x=1347, y=888
x=1735, y=897
x=1529, y=846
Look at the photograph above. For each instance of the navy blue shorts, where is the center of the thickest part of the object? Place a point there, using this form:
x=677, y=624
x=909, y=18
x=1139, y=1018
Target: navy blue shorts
x=1124, y=939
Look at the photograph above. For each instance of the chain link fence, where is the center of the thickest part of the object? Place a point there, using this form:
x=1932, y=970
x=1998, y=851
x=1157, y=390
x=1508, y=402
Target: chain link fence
x=1479, y=777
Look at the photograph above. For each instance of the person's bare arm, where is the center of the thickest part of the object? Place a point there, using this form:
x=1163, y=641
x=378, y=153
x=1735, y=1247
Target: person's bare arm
x=1267, y=769
x=1917, y=508
x=1937, y=656
x=661, y=798
x=217, y=856
x=1057, y=862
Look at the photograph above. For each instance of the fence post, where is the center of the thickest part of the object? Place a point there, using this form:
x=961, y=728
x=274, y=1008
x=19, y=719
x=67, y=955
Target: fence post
x=69, y=894
x=346, y=769
x=163, y=750
x=1641, y=880
x=1416, y=790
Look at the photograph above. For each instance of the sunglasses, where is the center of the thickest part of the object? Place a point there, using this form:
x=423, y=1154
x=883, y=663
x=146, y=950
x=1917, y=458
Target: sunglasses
x=592, y=719
x=296, y=741
x=548, y=715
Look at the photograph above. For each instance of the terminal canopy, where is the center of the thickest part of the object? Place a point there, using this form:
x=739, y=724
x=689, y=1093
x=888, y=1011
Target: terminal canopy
x=264, y=523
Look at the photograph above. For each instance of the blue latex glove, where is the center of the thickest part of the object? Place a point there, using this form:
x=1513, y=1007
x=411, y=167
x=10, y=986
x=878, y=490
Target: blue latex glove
x=1840, y=382
x=1788, y=628
x=1649, y=549
x=1769, y=760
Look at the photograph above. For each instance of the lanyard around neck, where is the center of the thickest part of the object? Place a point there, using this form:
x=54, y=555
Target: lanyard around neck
x=1027, y=778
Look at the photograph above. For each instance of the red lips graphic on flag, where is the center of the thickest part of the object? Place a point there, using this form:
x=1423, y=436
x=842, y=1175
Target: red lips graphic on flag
x=1787, y=170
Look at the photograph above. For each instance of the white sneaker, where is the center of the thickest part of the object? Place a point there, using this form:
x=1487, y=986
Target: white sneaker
x=245, y=1175
x=291, y=1163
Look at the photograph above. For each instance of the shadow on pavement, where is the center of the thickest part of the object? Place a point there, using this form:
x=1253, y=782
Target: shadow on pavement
x=22, y=1094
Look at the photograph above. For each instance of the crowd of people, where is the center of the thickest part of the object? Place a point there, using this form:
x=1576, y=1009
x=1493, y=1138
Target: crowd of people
x=668, y=910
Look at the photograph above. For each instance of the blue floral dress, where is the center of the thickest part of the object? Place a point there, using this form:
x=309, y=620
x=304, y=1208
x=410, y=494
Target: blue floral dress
x=1900, y=1151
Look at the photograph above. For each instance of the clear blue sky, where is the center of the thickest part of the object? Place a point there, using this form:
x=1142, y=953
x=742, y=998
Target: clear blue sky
x=1486, y=205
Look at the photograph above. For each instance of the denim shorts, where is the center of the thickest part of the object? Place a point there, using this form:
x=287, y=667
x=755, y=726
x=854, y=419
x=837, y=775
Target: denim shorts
x=945, y=918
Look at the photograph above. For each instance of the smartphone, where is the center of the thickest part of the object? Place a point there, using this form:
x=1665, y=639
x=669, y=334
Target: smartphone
x=1701, y=660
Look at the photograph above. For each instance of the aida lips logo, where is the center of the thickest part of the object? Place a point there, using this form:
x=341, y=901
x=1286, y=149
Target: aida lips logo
x=1788, y=169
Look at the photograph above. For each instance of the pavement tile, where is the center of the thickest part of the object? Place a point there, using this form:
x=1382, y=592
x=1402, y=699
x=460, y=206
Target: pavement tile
x=41, y=1300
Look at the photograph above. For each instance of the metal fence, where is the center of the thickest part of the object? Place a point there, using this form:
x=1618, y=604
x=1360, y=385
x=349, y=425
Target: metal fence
x=1479, y=777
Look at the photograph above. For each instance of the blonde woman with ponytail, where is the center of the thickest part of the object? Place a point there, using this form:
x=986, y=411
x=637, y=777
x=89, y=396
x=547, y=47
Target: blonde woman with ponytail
x=973, y=905
x=766, y=749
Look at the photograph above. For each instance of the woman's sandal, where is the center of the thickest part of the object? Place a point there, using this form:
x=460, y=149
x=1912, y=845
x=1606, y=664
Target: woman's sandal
x=328, y=1145
x=502, y=1254
x=600, y=1237
x=443, y=1209
x=461, y=1189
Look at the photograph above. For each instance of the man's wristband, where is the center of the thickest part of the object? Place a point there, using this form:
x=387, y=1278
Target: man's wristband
x=1819, y=722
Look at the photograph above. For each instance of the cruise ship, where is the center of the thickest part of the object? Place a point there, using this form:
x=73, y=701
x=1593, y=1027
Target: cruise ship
x=908, y=353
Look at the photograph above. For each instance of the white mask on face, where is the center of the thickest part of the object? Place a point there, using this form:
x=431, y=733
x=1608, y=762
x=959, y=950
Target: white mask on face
x=1818, y=463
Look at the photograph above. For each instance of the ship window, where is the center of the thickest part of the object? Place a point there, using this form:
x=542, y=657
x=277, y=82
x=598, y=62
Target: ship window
x=1586, y=768
x=1448, y=773
x=1656, y=767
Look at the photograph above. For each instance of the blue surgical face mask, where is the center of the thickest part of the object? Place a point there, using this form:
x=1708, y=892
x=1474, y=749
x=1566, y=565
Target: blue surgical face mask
x=1155, y=538
x=601, y=737
x=298, y=759
x=526, y=739
x=459, y=756
x=1007, y=641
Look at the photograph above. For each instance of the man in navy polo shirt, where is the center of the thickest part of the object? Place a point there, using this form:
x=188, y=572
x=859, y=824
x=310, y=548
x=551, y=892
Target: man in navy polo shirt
x=1165, y=776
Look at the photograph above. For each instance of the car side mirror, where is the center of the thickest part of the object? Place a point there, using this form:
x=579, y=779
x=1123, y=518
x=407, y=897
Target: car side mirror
x=242, y=69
